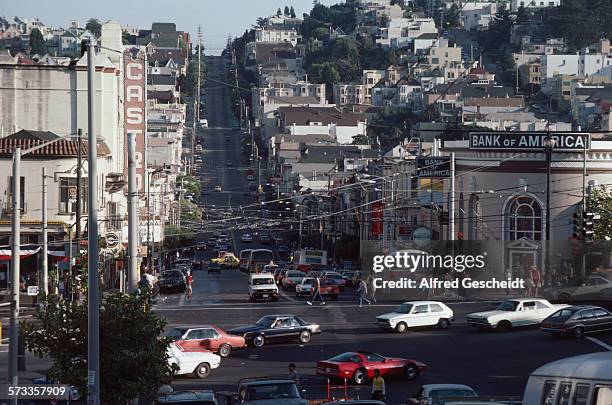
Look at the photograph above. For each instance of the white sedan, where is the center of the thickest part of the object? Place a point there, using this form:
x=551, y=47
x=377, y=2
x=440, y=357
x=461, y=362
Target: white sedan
x=198, y=363
x=416, y=314
x=304, y=288
x=514, y=312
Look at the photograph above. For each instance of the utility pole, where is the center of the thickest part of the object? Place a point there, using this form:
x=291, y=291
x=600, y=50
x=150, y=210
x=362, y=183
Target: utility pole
x=132, y=215
x=45, y=257
x=451, y=208
x=79, y=210
x=199, y=70
x=93, y=311
x=584, y=207
x=15, y=270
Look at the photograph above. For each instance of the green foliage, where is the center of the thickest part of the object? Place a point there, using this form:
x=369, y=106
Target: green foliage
x=37, y=43
x=451, y=17
x=189, y=83
x=292, y=12
x=497, y=36
x=128, y=39
x=130, y=339
x=279, y=12
x=286, y=12
x=94, y=26
x=600, y=202
x=190, y=183
x=190, y=212
x=581, y=23
x=175, y=237
x=390, y=126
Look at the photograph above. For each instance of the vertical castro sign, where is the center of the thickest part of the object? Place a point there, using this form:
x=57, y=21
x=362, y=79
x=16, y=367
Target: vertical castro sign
x=135, y=72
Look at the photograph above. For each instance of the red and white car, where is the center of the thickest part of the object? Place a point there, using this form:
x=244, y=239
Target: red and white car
x=291, y=279
x=337, y=277
x=211, y=338
x=360, y=367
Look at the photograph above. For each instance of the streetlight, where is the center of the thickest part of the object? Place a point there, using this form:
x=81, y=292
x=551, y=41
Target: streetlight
x=150, y=175
x=549, y=145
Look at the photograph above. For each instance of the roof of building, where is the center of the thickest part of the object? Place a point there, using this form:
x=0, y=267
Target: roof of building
x=162, y=96
x=161, y=80
x=62, y=148
x=284, y=139
x=487, y=90
x=333, y=153
x=602, y=94
x=270, y=51
x=294, y=100
x=428, y=35
x=158, y=27
x=494, y=101
x=323, y=115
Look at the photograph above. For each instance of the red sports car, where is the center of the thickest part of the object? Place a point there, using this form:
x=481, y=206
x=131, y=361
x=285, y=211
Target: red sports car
x=360, y=366
x=210, y=338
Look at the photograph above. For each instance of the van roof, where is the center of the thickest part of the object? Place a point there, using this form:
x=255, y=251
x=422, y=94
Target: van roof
x=587, y=366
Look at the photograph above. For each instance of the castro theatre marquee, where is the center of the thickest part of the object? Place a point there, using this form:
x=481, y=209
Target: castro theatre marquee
x=501, y=191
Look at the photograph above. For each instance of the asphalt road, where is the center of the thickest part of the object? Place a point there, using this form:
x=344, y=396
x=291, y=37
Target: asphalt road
x=492, y=363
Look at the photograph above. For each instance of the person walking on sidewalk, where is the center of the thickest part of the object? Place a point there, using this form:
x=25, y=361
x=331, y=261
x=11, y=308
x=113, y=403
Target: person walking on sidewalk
x=189, y=286
x=316, y=292
x=372, y=285
x=293, y=374
x=378, y=387
x=362, y=289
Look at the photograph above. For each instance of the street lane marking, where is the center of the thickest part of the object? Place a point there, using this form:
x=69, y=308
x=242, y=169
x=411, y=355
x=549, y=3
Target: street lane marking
x=282, y=294
x=600, y=343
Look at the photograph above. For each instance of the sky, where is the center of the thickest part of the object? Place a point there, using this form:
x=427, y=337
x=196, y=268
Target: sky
x=219, y=18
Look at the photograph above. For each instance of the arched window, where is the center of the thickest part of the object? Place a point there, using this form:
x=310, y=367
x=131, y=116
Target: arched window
x=474, y=219
x=523, y=219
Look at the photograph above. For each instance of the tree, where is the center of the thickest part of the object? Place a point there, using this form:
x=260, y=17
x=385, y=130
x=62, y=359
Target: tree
x=292, y=12
x=94, y=26
x=37, y=43
x=600, y=202
x=130, y=339
x=261, y=22
x=279, y=12
x=286, y=12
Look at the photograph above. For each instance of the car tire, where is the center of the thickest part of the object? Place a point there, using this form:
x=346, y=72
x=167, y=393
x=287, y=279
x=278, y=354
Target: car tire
x=360, y=376
x=304, y=337
x=578, y=332
x=444, y=323
x=202, y=370
x=411, y=372
x=259, y=341
x=225, y=350
x=503, y=326
x=401, y=327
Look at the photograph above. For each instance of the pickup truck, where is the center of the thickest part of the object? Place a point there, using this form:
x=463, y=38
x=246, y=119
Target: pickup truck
x=514, y=312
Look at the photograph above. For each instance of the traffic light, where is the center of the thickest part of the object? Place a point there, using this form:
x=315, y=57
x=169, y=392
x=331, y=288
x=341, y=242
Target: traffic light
x=584, y=225
x=577, y=226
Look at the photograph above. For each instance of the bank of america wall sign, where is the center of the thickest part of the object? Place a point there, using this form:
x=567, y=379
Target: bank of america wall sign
x=564, y=141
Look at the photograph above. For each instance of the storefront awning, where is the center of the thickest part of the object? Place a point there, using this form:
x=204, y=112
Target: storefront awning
x=6, y=254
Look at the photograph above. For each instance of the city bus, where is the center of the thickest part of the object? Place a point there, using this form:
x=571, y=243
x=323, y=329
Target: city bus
x=578, y=380
x=258, y=258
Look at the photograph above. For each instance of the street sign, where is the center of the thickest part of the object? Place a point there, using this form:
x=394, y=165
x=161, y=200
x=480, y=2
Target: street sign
x=433, y=167
x=112, y=240
x=33, y=290
x=564, y=141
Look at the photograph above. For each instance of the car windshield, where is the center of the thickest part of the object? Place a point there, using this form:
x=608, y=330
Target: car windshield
x=308, y=281
x=271, y=391
x=404, y=309
x=176, y=333
x=294, y=274
x=508, y=306
x=172, y=274
x=266, y=321
x=263, y=281
x=342, y=357
x=452, y=393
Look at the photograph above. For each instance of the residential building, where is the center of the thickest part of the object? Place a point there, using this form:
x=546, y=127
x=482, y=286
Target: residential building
x=515, y=4
x=273, y=35
x=477, y=17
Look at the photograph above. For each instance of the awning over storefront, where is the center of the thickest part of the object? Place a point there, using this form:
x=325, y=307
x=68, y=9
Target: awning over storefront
x=6, y=254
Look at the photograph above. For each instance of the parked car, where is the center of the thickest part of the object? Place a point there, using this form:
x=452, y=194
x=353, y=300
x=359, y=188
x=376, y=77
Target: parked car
x=195, y=397
x=227, y=260
x=435, y=394
x=277, y=328
x=279, y=274
x=268, y=391
x=577, y=321
x=198, y=363
x=210, y=338
x=416, y=314
x=591, y=287
x=514, y=312
x=262, y=286
x=360, y=366
x=246, y=238
x=172, y=280
x=291, y=279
